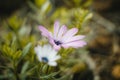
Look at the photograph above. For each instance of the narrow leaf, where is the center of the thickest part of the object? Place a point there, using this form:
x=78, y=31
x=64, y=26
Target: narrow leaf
x=25, y=67
x=25, y=51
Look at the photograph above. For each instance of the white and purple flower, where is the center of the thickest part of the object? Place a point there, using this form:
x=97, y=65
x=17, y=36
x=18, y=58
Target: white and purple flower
x=61, y=37
x=47, y=55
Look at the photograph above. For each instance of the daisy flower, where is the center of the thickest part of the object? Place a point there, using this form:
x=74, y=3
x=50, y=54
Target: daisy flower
x=47, y=54
x=61, y=37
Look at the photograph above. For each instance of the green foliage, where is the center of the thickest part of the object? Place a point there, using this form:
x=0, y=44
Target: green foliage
x=77, y=17
x=14, y=22
x=25, y=51
x=11, y=51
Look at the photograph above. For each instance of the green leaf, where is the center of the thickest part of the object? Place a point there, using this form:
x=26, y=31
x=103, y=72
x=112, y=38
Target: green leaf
x=44, y=68
x=50, y=75
x=25, y=51
x=25, y=67
x=2, y=77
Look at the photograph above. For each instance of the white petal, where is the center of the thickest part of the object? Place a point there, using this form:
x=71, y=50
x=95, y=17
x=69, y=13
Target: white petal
x=52, y=63
x=55, y=58
x=38, y=50
x=52, y=54
x=46, y=50
x=40, y=58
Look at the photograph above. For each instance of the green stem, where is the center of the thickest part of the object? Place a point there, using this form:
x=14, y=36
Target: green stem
x=47, y=71
x=15, y=71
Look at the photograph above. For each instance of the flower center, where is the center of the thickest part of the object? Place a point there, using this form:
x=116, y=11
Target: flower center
x=57, y=42
x=44, y=59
